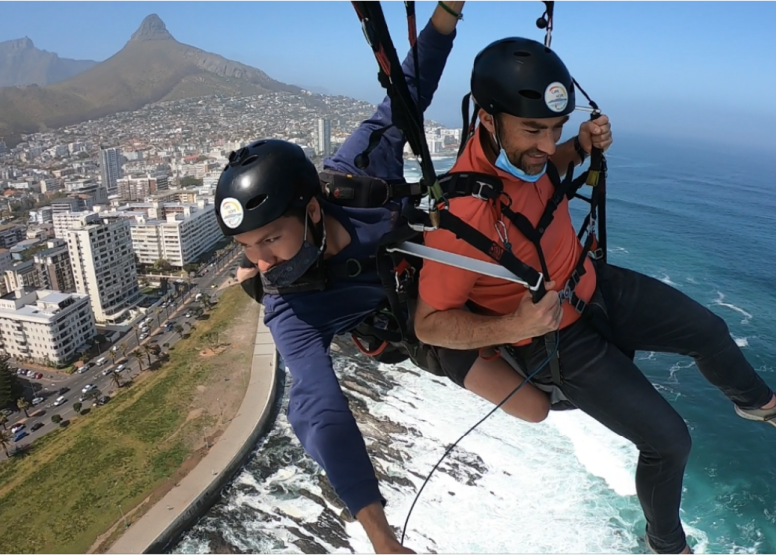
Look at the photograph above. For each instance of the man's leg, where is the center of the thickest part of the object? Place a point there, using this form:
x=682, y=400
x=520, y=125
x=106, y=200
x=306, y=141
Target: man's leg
x=648, y=315
x=604, y=383
x=493, y=380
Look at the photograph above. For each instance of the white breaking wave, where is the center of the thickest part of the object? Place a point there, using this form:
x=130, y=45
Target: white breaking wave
x=742, y=342
x=719, y=301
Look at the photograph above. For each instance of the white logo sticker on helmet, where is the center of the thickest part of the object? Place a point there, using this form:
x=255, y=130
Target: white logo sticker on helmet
x=556, y=97
x=231, y=212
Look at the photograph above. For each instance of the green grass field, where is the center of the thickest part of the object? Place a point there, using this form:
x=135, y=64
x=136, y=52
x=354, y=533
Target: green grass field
x=66, y=492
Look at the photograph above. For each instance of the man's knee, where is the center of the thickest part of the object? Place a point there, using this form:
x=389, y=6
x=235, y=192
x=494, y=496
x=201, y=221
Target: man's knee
x=716, y=327
x=674, y=444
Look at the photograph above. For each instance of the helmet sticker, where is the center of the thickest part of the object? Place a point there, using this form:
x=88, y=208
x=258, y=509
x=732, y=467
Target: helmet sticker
x=556, y=97
x=231, y=212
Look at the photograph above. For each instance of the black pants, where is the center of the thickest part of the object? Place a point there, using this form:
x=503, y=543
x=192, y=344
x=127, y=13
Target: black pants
x=648, y=315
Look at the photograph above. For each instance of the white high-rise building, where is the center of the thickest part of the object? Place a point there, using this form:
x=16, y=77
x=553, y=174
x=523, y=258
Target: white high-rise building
x=104, y=265
x=188, y=231
x=110, y=168
x=46, y=326
x=324, y=137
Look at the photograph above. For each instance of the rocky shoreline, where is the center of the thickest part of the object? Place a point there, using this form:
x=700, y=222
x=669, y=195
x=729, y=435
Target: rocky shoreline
x=365, y=384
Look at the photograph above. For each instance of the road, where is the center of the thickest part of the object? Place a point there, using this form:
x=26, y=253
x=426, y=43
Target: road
x=49, y=386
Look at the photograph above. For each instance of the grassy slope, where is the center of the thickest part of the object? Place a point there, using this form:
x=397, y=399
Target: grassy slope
x=67, y=491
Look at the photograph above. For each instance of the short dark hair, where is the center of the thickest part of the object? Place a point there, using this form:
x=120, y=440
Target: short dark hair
x=298, y=212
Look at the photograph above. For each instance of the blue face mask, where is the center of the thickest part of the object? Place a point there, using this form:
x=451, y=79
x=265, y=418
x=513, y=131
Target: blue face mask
x=286, y=273
x=503, y=163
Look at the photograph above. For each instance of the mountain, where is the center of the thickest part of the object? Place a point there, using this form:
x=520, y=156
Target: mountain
x=21, y=63
x=152, y=67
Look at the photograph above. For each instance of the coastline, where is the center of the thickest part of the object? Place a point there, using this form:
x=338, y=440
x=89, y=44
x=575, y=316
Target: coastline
x=196, y=492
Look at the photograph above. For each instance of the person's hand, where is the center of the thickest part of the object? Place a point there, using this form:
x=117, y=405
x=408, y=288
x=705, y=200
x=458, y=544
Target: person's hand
x=246, y=273
x=391, y=547
x=534, y=320
x=595, y=133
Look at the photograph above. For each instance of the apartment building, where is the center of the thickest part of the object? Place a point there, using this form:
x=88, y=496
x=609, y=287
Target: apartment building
x=45, y=326
x=104, y=265
x=186, y=232
x=141, y=187
x=56, y=271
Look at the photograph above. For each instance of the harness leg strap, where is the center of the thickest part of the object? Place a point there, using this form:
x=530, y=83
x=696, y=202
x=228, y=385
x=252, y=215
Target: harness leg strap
x=550, y=347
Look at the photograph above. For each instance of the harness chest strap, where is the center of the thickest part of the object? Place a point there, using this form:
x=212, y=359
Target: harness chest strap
x=489, y=188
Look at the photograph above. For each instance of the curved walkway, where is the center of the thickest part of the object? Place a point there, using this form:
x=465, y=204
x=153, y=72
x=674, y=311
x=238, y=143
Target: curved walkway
x=182, y=505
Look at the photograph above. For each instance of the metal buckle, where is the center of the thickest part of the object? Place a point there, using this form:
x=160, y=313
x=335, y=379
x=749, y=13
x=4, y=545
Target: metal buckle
x=538, y=283
x=597, y=254
x=483, y=185
x=579, y=305
x=421, y=227
x=565, y=293
x=358, y=268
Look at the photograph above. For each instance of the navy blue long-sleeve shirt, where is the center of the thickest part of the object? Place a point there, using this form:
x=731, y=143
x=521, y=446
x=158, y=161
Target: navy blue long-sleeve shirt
x=304, y=324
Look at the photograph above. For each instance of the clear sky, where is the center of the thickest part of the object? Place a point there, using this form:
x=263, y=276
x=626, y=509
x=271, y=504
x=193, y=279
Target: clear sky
x=700, y=70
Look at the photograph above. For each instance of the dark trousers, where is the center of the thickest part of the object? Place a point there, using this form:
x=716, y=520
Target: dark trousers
x=648, y=315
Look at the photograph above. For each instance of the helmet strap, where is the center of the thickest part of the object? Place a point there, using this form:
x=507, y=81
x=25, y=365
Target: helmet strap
x=318, y=232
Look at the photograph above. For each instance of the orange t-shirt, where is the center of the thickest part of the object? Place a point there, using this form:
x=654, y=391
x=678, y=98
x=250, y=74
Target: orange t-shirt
x=445, y=287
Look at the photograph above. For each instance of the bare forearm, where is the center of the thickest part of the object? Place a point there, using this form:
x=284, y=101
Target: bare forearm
x=372, y=518
x=459, y=329
x=444, y=22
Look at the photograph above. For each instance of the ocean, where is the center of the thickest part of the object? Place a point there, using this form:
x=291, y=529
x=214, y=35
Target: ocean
x=700, y=218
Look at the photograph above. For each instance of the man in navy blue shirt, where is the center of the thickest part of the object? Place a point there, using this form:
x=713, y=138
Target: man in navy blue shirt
x=271, y=179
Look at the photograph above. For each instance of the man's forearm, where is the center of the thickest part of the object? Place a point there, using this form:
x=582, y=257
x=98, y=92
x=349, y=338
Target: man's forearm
x=443, y=21
x=372, y=518
x=462, y=330
x=565, y=153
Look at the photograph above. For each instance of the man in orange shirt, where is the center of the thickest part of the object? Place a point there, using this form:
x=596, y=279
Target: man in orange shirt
x=525, y=94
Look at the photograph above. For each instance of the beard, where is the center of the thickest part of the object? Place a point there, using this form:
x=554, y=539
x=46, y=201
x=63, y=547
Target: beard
x=527, y=162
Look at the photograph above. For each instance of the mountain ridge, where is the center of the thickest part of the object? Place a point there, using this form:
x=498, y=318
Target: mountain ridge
x=151, y=67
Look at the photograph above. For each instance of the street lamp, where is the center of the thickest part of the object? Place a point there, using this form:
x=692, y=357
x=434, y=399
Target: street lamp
x=219, y=407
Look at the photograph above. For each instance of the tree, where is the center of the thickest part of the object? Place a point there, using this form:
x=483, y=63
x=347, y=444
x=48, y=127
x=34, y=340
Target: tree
x=77, y=407
x=190, y=181
x=162, y=265
x=23, y=403
x=123, y=349
x=93, y=394
x=139, y=356
x=5, y=440
x=178, y=329
x=148, y=349
x=116, y=380
x=10, y=388
x=212, y=339
x=100, y=340
x=56, y=419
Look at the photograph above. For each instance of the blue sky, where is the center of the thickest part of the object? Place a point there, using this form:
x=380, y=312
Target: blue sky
x=699, y=70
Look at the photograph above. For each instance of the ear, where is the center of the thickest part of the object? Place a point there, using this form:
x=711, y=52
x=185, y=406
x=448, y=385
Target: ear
x=486, y=120
x=314, y=210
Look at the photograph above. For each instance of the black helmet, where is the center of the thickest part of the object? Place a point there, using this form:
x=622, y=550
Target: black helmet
x=261, y=183
x=523, y=78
